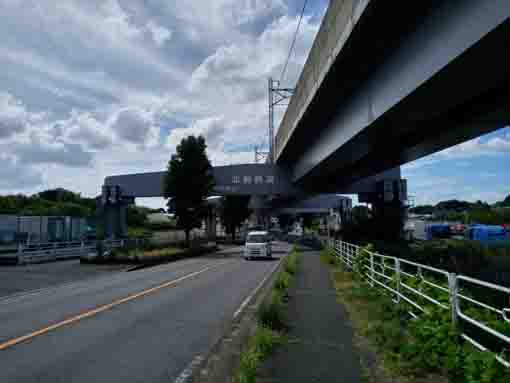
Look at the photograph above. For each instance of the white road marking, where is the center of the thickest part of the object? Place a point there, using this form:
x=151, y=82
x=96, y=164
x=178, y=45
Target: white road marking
x=249, y=297
x=102, y=308
x=188, y=371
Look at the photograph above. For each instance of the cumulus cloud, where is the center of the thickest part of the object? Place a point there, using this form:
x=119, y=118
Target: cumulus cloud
x=14, y=116
x=86, y=129
x=113, y=86
x=212, y=129
x=136, y=126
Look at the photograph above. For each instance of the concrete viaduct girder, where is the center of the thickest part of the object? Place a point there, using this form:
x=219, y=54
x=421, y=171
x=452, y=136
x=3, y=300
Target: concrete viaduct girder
x=386, y=84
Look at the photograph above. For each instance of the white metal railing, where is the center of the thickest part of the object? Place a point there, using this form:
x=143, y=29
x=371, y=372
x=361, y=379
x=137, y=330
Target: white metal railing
x=48, y=251
x=422, y=287
x=42, y=252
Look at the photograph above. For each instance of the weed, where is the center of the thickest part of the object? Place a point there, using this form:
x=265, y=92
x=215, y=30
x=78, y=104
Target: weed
x=260, y=347
x=282, y=281
x=290, y=263
x=271, y=314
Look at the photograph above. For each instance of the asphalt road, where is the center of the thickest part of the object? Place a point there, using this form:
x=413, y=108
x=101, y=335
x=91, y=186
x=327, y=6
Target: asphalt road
x=141, y=326
x=21, y=278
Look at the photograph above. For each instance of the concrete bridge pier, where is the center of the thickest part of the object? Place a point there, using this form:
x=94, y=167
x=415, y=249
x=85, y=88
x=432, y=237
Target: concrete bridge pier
x=115, y=221
x=389, y=208
x=210, y=224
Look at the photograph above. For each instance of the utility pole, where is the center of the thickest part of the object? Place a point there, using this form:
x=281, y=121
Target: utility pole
x=276, y=97
x=259, y=155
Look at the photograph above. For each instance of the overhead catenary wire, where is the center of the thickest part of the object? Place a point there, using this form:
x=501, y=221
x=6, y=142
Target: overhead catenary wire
x=284, y=70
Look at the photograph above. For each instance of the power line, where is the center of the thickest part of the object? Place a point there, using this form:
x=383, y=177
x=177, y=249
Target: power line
x=293, y=41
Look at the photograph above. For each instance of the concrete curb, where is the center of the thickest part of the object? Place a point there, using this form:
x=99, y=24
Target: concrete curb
x=223, y=358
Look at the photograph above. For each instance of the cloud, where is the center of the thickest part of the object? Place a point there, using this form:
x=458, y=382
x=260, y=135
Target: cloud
x=159, y=34
x=86, y=129
x=211, y=128
x=112, y=86
x=495, y=144
x=14, y=116
x=136, y=126
x=14, y=177
x=40, y=149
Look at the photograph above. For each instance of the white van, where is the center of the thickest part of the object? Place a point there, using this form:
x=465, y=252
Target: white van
x=258, y=244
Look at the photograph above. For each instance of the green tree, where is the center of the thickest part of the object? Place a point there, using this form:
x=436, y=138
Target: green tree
x=234, y=210
x=59, y=195
x=422, y=209
x=188, y=181
x=136, y=216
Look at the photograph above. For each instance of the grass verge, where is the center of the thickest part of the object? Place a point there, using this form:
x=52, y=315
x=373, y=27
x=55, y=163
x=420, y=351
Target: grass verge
x=271, y=323
x=424, y=350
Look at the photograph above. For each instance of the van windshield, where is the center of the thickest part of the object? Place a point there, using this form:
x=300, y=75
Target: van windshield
x=257, y=238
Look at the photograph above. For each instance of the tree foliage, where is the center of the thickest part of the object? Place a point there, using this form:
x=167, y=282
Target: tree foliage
x=468, y=212
x=234, y=210
x=137, y=216
x=188, y=181
x=422, y=209
x=53, y=202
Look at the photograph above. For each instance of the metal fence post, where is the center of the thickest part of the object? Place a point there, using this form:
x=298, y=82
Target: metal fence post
x=453, y=287
x=371, y=270
x=397, y=278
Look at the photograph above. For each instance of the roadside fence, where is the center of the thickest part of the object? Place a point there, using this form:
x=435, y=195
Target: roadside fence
x=479, y=310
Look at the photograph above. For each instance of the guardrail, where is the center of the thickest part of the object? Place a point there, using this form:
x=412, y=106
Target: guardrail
x=484, y=324
x=51, y=251
x=44, y=252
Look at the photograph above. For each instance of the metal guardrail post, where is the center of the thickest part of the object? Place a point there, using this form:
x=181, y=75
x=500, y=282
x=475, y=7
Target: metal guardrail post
x=453, y=287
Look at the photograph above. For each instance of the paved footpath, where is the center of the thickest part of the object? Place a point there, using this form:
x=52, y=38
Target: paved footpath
x=320, y=345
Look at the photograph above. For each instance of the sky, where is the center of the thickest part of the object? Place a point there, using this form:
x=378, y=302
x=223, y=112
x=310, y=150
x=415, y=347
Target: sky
x=95, y=88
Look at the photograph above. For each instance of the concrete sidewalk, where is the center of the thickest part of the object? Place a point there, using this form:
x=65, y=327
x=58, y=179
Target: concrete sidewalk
x=320, y=345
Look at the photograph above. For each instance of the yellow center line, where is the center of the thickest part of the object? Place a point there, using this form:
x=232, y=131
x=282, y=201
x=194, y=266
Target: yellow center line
x=100, y=309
